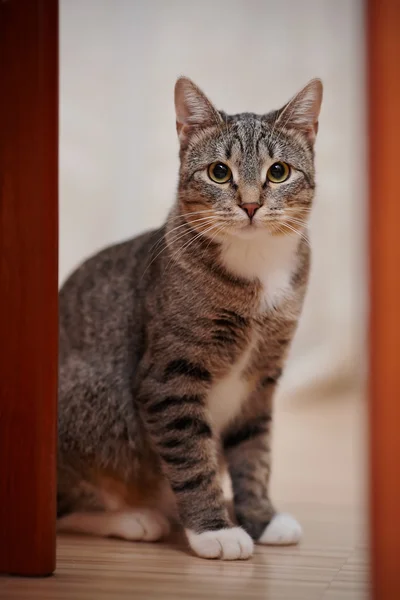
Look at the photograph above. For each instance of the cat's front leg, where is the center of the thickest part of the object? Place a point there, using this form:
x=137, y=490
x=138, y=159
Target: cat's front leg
x=247, y=451
x=179, y=427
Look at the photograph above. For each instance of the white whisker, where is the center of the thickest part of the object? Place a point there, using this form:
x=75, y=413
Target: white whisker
x=180, y=251
x=299, y=208
x=170, y=242
x=297, y=221
x=196, y=212
x=299, y=233
x=220, y=230
x=178, y=227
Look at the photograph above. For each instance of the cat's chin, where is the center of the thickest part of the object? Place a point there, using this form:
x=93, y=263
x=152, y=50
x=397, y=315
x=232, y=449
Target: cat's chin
x=249, y=232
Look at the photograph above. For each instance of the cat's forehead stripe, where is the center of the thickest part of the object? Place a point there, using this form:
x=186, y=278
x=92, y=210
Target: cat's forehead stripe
x=249, y=146
x=251, y=139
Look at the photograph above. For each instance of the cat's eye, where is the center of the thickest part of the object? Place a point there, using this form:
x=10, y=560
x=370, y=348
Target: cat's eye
x=278, y=172
x=219, y=172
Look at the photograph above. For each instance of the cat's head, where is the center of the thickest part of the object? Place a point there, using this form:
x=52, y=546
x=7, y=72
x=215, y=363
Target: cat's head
x=244, y=173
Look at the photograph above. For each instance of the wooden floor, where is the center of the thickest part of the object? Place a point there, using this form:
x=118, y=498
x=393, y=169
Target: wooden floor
x=318, y=475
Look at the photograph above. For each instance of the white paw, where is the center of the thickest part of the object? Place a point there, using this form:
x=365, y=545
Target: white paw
x=228, y=544
x=282, y=530
x=141, y=525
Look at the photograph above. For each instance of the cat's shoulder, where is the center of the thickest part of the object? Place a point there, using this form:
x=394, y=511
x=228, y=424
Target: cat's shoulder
x=115, y=260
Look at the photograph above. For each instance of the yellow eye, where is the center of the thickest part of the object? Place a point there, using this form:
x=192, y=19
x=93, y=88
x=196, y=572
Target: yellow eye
x=219, y=172
x=278, y=172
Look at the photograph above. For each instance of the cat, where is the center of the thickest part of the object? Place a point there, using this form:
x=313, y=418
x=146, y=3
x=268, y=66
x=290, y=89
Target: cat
x=172, y=344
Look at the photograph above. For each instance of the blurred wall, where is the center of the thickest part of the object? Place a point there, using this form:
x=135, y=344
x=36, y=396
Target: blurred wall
x=118, y=147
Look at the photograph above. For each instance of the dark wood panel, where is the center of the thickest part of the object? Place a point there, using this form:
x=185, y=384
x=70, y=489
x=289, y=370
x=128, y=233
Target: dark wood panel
x=383, y=23
x=28, y=284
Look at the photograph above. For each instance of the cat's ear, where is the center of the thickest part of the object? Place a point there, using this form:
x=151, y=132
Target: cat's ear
x=193, y=108
x=302, y=111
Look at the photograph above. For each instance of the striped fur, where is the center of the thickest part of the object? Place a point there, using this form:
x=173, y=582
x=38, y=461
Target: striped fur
x=172, y=344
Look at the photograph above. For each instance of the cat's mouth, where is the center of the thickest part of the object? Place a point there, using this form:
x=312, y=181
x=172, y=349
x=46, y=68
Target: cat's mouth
x=250, y=229
x=273, y=225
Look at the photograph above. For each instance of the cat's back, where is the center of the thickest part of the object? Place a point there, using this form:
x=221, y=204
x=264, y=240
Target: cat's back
x=100, y=300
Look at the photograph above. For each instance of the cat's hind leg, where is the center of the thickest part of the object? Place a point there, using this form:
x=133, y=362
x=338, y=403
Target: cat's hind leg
x=98, y=454
x=99, y=510
x=139, y=525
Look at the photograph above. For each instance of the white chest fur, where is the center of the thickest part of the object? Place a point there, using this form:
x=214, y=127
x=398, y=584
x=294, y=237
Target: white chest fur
x=226, y=395
x=271, y=260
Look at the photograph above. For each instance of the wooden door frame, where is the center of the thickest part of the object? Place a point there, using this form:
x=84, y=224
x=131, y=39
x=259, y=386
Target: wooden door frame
x=383, y=52
x=28, y=284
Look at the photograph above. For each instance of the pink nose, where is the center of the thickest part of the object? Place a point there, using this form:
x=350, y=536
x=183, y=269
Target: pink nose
x=251, y=208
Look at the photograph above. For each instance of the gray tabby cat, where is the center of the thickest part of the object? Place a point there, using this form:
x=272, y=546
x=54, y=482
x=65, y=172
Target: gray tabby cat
x=172, y=344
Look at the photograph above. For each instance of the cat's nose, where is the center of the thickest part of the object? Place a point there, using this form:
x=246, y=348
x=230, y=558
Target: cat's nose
x=250, y=208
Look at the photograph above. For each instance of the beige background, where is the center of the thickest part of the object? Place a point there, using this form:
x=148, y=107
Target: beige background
x=118, y=148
